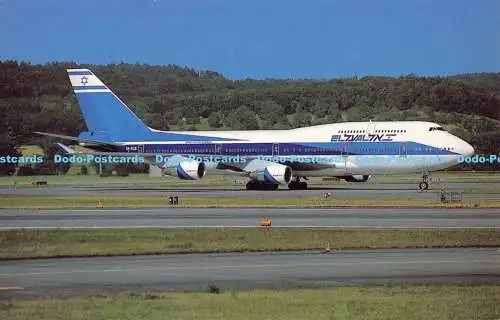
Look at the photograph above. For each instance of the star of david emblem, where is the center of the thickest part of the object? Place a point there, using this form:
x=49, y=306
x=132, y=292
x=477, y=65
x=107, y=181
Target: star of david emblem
x=84, y=80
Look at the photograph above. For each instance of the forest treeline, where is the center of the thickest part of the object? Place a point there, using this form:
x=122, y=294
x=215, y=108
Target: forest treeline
x=39, y=98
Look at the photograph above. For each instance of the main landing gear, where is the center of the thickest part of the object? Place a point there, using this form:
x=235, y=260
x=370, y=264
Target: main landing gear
x=259, y=185
x=296, y=184
x=424, y=185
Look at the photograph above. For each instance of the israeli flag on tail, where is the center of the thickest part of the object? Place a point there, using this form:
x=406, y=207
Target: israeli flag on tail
x=83, y=80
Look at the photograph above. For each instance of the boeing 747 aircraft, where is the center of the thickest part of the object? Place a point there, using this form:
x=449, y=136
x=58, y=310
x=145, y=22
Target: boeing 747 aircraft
x=351, y=150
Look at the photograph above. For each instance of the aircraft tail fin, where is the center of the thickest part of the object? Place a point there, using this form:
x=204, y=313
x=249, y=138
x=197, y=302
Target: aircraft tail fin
x=106, y=116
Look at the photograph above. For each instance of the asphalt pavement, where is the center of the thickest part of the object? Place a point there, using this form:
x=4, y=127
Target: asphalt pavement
x=221, y=217
x=195, y=272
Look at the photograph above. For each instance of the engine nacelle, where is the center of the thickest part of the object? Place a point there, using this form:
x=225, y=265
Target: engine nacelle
x=186, y=170
x=357, y=178
x=273, y=174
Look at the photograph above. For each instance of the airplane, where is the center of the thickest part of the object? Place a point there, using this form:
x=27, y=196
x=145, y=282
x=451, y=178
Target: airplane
x=353, y=151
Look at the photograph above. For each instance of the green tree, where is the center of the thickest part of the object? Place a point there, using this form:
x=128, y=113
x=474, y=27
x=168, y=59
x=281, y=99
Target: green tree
x=302, y=118
x=243, y=119
x=215, y=120
x=321, y=108
x=7, y=148
x=271, y=113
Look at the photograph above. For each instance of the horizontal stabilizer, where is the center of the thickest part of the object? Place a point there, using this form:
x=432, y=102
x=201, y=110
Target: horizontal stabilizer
x=61, y=136
x=58, y=136
x=66, y=148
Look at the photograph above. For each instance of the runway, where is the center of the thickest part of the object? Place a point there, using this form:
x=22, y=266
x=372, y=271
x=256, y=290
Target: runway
x=213, y=217
x=344, y=191
x=69, y=277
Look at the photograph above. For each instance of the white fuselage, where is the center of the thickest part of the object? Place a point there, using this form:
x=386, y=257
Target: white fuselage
x=355, y=148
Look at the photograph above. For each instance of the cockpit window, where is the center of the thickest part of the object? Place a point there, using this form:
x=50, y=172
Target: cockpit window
x=436, y=128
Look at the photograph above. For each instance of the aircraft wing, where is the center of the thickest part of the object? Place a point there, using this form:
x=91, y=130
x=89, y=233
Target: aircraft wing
x=257, y=164
x=173, y=160
x=68, y=150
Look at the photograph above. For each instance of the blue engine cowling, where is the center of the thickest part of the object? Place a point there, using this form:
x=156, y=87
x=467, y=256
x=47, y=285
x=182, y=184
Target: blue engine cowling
x=186, y=170
x=273, y=174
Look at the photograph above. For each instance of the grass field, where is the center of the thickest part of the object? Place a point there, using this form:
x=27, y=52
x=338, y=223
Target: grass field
x=388, y=302
x=59, y=202
x=94, y=242
x=144, y=181
x=133, y=181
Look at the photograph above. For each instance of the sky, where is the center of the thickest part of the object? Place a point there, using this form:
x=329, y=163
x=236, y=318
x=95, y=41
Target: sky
x=259, y=39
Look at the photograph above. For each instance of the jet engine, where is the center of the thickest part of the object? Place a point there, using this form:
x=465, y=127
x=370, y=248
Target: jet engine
x=186, y=170
x=357, y=178
x=273, y=174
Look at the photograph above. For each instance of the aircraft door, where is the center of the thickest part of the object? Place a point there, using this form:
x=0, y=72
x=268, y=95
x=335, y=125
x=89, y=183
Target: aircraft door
x=217, y=148
x=403, y=149
x=276, y=149
x=344, y=149
x=345, y=155
x=370, y=129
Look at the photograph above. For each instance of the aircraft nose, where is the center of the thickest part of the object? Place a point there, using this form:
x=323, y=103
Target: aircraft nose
x=467, y=149
x=470, y=152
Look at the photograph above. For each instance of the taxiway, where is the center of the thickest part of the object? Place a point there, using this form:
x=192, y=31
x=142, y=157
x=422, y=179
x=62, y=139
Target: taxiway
x=219, y=217
x=70, y=277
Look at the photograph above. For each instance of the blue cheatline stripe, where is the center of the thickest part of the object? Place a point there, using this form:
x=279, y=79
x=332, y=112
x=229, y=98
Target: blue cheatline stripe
x=183, y=174
x=88, y=87
x=269, y=177
x=285, y=149
x=79, y=73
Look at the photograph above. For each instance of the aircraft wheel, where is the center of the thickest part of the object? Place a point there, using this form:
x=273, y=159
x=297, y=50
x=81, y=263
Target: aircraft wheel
x=423, y=185
x=294, y=185
x=251, y=186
